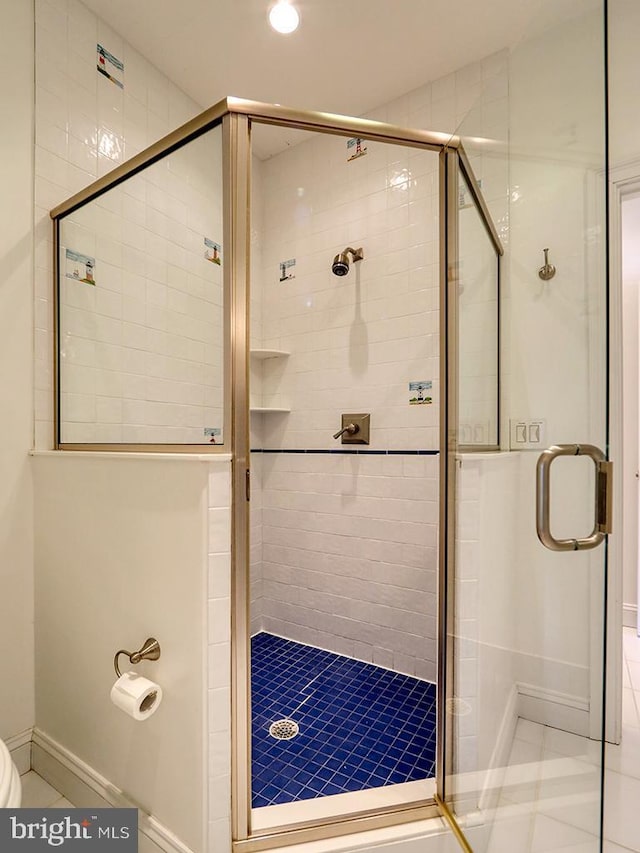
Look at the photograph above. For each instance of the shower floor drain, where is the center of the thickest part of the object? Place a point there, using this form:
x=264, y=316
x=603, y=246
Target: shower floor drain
x=283, y=729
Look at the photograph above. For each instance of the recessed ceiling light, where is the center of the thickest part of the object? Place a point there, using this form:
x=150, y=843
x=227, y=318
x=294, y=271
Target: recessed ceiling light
x=284, y=17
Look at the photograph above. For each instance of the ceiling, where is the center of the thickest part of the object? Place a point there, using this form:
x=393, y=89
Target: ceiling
x=348, y=56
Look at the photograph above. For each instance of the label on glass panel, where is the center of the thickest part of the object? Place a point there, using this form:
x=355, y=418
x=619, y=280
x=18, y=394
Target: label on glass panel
x=464, y=196
x=213, y=433
x=80, y=267
x=212, y=251
x=420, y=393
x=110, y=67
x=355, y=148
x=287, y=269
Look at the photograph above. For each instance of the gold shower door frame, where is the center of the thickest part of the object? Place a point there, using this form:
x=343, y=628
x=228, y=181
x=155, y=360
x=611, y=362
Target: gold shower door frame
x=453, y=162
x=236, y=116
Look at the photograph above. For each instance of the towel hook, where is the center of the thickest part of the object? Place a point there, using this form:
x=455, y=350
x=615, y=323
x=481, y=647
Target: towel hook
x=547, y=271
x=149, y=651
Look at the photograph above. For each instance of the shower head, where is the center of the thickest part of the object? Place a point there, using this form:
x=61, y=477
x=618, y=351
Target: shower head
x=340, y=265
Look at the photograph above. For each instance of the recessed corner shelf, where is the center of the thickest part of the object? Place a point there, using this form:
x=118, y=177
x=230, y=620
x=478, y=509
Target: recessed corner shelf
x=265, y=410
x=262, y=354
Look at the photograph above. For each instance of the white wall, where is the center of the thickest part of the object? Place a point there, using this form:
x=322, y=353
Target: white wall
x=121, y=555
x=631, y=423
x=16, y=368
x=624, y=87
x=624, y=129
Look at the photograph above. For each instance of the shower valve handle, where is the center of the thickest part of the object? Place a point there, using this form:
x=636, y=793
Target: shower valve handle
x=352, y=429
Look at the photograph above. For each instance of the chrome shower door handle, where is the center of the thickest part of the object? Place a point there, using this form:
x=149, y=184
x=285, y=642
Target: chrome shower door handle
x=603, y=493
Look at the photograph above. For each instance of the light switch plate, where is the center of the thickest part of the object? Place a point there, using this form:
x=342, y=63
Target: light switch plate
x=473, y=433
x=527, y=434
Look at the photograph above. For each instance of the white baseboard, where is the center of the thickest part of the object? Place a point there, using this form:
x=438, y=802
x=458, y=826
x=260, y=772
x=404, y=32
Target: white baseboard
x=20, y=748
x=552, y=708
x=85, y=787
x=630, y=615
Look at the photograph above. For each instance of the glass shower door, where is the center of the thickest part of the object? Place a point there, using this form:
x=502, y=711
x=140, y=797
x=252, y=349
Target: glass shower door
x=527, y=510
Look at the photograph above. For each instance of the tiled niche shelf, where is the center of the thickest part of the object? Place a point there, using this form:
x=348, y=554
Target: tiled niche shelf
x=264, y=355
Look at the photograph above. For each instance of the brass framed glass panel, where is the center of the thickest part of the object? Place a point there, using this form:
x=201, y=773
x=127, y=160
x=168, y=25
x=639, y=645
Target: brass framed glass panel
x=328, y=574
x=525, y=550
x=478, y=274
x=140, y=307
x=394, y=215
x=279, y=338
x=227, y=123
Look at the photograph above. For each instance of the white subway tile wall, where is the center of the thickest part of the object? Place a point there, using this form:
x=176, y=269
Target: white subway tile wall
x=357, y=341
x=142, y=342
x=349, y=544
x=486, y=624
x=349, y=551
x=219, y=648
x=350, y=555
x=85, y=126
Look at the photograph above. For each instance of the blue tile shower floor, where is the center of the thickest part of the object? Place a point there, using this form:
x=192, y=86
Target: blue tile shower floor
x=361, y=726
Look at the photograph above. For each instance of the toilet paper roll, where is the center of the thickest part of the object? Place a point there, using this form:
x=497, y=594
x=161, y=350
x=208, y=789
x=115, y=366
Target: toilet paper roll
x=136, y=695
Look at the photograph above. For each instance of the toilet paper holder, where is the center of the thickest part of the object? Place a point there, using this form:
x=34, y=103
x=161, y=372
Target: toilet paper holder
x=149, y=651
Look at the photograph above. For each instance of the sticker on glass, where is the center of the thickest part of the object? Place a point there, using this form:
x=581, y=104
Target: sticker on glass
x=110, y=67
x=212, y=434
x=355, y=148
x=420, y=393
x=212, y=251
x=80, y=267
x=287, y=269
x=464, y=197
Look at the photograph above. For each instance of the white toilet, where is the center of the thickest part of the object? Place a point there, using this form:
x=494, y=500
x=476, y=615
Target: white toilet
x=10, y=787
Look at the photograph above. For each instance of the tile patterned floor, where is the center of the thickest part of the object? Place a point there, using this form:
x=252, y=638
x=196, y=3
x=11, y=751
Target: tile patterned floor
x=38, y=794
x=550, y=797
x=361, y=726
x=622, y=780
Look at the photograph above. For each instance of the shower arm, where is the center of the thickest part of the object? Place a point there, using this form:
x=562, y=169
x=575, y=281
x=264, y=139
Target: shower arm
x=357, y=254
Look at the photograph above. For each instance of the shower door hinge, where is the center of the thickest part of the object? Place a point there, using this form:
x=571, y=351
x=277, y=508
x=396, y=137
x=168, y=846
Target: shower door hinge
x=248, y=484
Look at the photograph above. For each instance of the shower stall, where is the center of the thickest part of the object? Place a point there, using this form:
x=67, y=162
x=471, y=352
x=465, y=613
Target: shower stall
x=381, y=485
